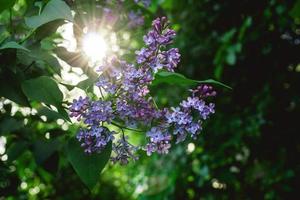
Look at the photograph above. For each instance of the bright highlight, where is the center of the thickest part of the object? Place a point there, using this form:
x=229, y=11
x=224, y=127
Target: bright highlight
x=94, y=46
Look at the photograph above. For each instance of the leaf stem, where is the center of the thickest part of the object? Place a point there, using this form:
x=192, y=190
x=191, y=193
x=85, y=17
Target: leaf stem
x=11, y=22
x=27, y=36
x=123, y=127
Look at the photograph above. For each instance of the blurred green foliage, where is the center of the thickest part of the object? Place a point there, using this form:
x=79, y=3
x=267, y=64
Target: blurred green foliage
x=248, y=150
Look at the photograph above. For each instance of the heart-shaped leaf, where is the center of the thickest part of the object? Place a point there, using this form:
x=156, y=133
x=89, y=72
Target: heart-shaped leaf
x=87, y=166
x=43, y=89
x=55, y=9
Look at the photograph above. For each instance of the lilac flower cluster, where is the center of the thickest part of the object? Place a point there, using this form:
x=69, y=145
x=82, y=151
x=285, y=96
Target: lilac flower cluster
x=126, y=103
x=94, y=139
x=152, y=55
x=146, y=3
x=111, y=13
x=123, y=151
x=160, y=141
x=135, y=19
x=93, y=113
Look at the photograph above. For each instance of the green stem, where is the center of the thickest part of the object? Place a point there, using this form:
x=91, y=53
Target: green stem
x=27, y=36
x=123, y=127
x=11, y=22
x=100, y=89
x=154, y=102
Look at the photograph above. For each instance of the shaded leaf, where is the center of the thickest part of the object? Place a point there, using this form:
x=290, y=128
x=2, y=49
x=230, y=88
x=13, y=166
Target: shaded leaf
x=63, y=113
x=10, y=88
x=295, y=12
x=50, y=114
x=55, y=9
x=15, y=150
x=48, y=29
x=42, y=149
x=10, y=124
x=40, y=57
x=13, y=45
x=43, y=89
x=76, y=59
x=86, y=84
x=5, y=4
x=88, y=167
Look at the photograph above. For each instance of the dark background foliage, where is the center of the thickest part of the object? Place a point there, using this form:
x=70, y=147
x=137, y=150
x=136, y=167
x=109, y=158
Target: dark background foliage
x=248, y=150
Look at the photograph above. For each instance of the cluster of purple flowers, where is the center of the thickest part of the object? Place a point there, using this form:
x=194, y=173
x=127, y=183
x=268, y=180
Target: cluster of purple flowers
x=94, y=114
x=146, y=3
x=135, y=19
x=160, y=141
x=157, y=39
x=127, y=104
x=95, y=138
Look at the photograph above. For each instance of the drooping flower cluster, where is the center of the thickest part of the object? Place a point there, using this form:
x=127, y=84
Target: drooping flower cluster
x=123, y=151
x=126, y=103
x=95, y=138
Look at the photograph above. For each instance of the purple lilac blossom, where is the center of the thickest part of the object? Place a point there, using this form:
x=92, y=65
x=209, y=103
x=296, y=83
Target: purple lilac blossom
x=99, y=111
x=135, y=19
x=127, y=100
x=78, y=107
x=123, y=151
x=152, y=55
x=145, y=2
x=160, y=141
x=183, y=121
x=94, y=139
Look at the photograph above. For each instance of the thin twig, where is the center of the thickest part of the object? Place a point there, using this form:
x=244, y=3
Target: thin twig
x=123, y=127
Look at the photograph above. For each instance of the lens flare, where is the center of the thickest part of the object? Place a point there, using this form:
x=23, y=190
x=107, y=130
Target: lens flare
x=94, y=46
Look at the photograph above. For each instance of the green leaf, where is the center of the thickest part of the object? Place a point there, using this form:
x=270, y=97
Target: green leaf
x=40, y=57
x=5, y=4
x=86, y=84
x=75, y=59
x=231, y=58
x=10, y=124
x=50, y=114
x=15, y=150
x=47, y=44
x=55, y=9
x=63, y=113
x=212, y=81
x=11, y=88
x=43, y=149
x=295, y=12
x=53, y=115
x=179, y=79
x=88, y=167
x=13, y=45
x=172, y=78
x=43, y=89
